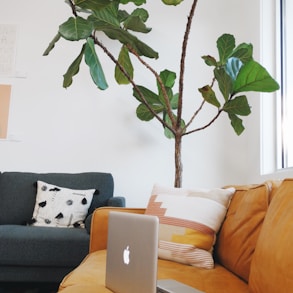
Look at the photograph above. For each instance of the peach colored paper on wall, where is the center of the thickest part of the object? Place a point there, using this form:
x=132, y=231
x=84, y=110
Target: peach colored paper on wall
x=5, y=92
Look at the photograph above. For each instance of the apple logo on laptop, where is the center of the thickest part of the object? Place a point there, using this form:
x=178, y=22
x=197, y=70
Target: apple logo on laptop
x=126, y=253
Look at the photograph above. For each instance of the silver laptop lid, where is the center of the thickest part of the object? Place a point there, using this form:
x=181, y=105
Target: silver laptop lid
x=132, y=253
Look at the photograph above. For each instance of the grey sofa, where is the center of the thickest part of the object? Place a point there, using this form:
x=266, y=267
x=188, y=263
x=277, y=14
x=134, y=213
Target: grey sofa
x=44, y=254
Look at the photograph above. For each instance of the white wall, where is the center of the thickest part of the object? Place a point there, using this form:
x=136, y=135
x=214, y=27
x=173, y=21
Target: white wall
x=84, y=129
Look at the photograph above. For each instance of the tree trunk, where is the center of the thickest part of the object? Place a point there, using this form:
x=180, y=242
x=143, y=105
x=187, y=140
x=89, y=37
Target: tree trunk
x=178, y=163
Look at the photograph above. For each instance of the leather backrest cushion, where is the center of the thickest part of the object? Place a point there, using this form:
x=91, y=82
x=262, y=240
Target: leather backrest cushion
x=237, y=238
x=18, y=191
x=272, y=262
x=275, y=184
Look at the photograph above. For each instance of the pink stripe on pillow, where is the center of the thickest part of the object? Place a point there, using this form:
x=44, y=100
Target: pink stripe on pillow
x=186, y=224
x=187, y=254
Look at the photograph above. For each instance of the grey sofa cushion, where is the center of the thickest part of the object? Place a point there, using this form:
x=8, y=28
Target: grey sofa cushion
x=18, y=191
x=42, y=246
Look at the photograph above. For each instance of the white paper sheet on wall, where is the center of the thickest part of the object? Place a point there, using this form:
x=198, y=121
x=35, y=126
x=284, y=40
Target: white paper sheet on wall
x=8, y=34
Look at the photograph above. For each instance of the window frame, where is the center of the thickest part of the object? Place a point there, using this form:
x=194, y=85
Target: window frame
x=286, y=143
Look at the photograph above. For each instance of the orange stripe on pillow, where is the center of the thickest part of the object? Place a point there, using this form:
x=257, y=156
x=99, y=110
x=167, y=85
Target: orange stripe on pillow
x=154, y=208
x=195, y=238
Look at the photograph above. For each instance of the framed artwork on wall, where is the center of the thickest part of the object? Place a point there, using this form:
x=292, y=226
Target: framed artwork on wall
x=8, y=36
x=5, y=93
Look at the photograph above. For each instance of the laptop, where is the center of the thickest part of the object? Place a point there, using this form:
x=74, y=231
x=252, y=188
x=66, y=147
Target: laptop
x=132, y=256
x=132, y=253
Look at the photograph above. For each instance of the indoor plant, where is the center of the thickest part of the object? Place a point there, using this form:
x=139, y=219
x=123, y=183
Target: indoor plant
x=234, y=71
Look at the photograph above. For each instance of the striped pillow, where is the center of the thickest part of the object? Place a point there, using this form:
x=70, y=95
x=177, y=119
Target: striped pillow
x=189, y=221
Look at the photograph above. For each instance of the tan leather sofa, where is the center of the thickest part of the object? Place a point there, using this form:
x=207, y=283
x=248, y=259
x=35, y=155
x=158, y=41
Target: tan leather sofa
x=253, y=252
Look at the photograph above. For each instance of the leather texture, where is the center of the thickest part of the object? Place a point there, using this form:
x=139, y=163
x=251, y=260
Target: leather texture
x=99, y=227
x=253, y=251
x=90, y=276
x=240, y=230
x=272, y=264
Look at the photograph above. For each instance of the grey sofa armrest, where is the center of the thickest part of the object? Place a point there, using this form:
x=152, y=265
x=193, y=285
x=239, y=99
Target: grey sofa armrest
x=116, y=201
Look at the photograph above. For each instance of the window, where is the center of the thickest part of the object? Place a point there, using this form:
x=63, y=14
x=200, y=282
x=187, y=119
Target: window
x=286, y=72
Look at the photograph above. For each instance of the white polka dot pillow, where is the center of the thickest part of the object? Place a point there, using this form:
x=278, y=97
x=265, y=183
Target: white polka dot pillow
x=60, y=207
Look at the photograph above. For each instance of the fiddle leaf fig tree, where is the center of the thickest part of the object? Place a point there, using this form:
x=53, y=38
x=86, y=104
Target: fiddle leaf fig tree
x=235, y=72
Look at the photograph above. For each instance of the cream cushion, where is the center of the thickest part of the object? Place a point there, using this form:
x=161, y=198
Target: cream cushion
x=189, y=221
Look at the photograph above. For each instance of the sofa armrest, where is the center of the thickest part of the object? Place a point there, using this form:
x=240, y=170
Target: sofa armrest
x=116, y=201
x=99, y=225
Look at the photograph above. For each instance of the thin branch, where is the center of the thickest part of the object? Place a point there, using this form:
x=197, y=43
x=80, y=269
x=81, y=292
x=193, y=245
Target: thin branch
x=182, y=62
x=108, y=53
x=195, y=114
x=212, y=120
x=199, y=109
x=158, y=78
x=72, y=5
x=205, y=126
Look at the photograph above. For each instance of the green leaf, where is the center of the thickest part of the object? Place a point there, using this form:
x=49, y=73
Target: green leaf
x=108, y=21
x=135, y=21
x=225, y=45
x=93, y=5
x=52, y=44
x=143, y=49
x=168, y=78
x=172, y=2
x=209, y=60
x=125, y=62
x=174, y=101
x=209, y=95
x=122, y=15
x=233, y=67
x=75, y=29
x=238, y=106
x=144, y=114
x=135, y=24
x=93, y=62
x=244, y=52
x=168, y=133
x=136, y=2
x=254, y=77
x=162, y=98
x=141, y=13
x=73, y=69
x=128, y=39
x=108, y=15
x=149, y=96
x=236, y=123
x=224, y=82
